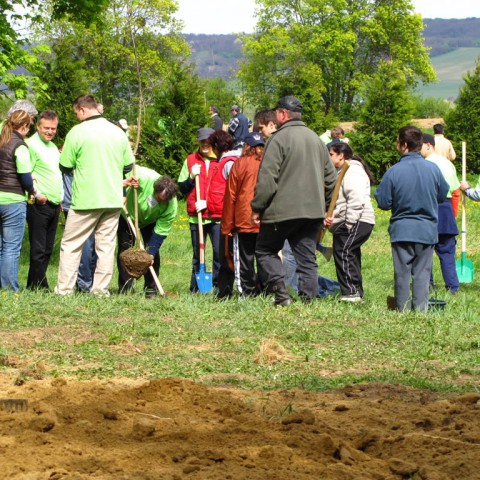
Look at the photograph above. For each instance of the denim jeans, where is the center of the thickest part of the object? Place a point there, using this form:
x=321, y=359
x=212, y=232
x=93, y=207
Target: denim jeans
x=326, y=286
x=88, y=263
x=12, y=228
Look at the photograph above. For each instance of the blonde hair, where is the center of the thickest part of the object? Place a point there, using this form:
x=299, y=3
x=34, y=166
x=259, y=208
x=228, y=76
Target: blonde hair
x=17, y=120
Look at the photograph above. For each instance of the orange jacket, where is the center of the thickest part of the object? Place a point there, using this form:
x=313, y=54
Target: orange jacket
x=237, y=213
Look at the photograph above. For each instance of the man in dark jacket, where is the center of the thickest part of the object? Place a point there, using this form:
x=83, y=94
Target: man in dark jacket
x=412, y=190
x=238, y=127
x=295, y=181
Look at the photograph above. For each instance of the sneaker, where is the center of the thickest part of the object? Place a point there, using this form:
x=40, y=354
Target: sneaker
x=355, y=298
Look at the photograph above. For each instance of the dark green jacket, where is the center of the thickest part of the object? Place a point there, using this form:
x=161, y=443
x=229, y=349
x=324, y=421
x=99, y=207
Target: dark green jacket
x=296, y=177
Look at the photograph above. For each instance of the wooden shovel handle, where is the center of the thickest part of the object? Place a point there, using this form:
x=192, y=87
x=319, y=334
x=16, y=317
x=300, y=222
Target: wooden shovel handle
x=333, y=200
x=200, y=222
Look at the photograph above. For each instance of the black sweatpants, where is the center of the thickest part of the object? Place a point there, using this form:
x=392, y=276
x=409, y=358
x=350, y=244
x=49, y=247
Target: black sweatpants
x=348, y=256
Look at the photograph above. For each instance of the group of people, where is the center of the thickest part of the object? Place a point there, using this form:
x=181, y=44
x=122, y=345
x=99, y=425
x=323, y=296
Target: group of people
x=89, y=181
x=261, y=198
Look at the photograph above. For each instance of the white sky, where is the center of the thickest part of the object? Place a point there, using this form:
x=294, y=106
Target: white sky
x=236, y=16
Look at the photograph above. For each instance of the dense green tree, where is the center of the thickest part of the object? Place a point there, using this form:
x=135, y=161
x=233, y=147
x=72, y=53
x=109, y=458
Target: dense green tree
x=381, y=116
x=431, y=107
x=323, y=51
x=172, y=120
x=462, y=123
x=122, y=61
x=18, y=58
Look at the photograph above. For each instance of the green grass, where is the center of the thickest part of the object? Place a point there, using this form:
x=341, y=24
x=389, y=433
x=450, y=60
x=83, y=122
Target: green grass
x=451, y=68
x=331, y=344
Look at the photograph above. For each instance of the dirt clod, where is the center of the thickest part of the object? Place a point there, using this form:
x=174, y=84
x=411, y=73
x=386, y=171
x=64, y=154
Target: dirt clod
x=136, y=261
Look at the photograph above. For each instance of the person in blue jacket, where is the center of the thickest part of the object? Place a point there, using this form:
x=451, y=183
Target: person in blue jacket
x=412, y=190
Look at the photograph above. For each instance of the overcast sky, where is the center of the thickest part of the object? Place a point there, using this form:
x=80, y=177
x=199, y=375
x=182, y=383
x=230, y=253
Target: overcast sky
x=236, y=16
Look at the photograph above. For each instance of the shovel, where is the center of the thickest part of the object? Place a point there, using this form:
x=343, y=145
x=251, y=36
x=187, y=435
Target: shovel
x=204, y=279
x=334, y=198
x=464, y=267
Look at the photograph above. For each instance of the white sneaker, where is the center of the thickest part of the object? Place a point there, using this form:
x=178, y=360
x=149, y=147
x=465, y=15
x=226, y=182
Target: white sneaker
x=355, y=298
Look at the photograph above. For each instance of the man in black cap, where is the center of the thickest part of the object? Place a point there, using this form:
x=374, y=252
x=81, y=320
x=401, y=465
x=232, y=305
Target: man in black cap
x=295, y=181
x=238, y=127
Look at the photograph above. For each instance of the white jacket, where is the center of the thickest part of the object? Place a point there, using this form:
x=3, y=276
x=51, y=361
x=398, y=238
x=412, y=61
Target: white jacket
x=354, y=203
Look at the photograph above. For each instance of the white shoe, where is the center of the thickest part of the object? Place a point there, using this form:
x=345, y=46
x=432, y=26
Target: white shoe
x=355, y=298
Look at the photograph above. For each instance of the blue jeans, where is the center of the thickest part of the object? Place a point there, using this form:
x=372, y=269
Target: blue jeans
x=326, y=286
x=88, y=262
x=12, y=228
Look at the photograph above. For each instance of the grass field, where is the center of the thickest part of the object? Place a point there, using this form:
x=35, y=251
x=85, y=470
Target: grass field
x=328, y=343
x=451, y=68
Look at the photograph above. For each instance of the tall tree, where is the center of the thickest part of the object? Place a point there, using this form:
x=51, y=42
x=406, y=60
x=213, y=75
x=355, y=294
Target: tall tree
x=381, y=116
x=17, y=56
x=325, y=50
x=172, y=120
x=462, y=123
x=124, y=59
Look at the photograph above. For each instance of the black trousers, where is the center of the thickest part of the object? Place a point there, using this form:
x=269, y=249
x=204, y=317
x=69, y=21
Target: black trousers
x=348, y=256
x=42, y=225
x=126, y=239
x=246, y=256
x=302, y=234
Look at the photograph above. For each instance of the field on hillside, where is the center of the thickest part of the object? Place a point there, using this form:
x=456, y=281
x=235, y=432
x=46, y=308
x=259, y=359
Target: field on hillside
x=451, y=68
x=190, y=387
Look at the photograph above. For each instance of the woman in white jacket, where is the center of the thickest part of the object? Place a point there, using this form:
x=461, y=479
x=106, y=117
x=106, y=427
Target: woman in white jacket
x=352, y=221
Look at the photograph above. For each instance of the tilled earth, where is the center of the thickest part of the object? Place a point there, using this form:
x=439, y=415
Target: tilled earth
x=177, y=429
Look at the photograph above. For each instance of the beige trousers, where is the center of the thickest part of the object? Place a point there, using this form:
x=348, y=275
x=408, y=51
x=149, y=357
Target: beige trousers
x=80, y=224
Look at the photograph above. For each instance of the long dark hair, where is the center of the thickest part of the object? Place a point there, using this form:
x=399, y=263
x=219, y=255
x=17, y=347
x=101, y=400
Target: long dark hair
x=342, y=147
x=221, y=141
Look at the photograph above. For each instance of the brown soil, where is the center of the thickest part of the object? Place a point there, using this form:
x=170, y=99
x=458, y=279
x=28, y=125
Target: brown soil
x=136, y=261
x=177, y=429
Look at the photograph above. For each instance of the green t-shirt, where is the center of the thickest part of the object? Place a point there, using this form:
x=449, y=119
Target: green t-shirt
x=44, y=158
x=22, y=160
x=448, y=170
x=98, y=151
x=149, y=210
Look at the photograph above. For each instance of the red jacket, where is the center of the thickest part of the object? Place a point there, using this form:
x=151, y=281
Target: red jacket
x=237, y=213
x=212, y=186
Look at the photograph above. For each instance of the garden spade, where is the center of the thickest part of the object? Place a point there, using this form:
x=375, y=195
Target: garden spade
x=204, y=279
x=333, y=200
x=464, y=266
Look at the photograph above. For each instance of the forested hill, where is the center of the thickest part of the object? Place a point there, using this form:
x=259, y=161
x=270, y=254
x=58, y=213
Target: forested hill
x=218, y=55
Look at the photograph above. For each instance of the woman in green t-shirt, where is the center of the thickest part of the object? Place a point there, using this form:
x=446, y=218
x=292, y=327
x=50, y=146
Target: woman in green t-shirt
x=15, y=180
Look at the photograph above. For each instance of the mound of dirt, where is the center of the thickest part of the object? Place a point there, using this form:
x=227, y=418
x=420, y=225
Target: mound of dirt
x=176, y=429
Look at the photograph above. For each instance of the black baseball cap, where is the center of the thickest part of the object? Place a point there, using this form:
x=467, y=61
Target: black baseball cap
x=290, y=103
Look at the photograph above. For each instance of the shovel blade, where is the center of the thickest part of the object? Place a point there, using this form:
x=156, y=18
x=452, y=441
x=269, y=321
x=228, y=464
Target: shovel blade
x=465, y=269
x=204, y=280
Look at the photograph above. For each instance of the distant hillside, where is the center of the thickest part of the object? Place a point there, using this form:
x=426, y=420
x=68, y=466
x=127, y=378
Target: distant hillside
x=219, y=55
x=451, y=68
x=444, y=36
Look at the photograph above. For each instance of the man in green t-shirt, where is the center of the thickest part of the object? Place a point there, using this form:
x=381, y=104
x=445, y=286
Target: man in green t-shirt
x=100, y=155
x=42, y=216
x=157, y=209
